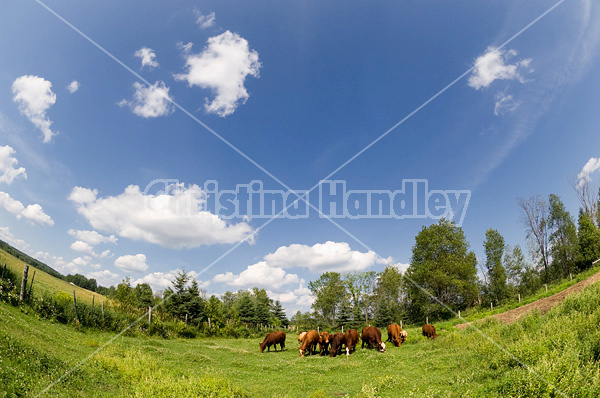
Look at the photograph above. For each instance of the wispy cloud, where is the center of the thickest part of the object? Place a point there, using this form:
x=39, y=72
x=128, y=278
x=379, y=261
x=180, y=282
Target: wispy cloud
x=73, y=86
x=205, y=21
x=492, y=65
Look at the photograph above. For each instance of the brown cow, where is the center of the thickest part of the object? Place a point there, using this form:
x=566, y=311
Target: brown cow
x=300, y=338
x=272, y=339
x=372, y=337
x=309, y=343
x=429, y=331
x=324, y=339
x=394, y=334
x=403, y=335
x=337, y=340
x=351, y=340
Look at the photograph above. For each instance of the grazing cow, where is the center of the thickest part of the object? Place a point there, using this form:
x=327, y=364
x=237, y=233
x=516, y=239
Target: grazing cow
x=309, y=343
x=429, y=331
x=272, y=339
x=351, y=340
x=300, y=338
x=337, y=340
x=395, y=334
x=403, y=335
x=372, y=337
x=324, y=339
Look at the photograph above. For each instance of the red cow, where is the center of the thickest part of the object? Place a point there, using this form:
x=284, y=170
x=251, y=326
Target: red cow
x=272, y=339
x=337, y=340
x=403, y=335
x=372, y=337
x=324, y=339
x=394, y=332
x=309, y=343
x=351, y=340
x=429, y=331
x=300, y=338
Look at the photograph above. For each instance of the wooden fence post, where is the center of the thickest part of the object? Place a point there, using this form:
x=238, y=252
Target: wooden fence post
x=492, y=306
x=149, y=315
x=186, y=318
x=570, y=275
x=93, y=299
x=546, y=286
x=75, y=305
x=459, y=313
x=209, y=323
x=342, y=328
x=318, y=330
x=400, y=324
x=3, y=272
x=426, y=319
x=31, y=285
x=102, y=309
x=519, y=297
x=24, y=282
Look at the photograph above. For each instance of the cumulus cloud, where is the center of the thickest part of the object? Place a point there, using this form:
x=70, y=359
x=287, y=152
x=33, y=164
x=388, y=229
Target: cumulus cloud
x=590, y=167
x=8, y=169
x=173, y=219
x=8, y=237
x=150, y=101
x=504, y=104
x=323, y=257
x=205, y=21
x=492, y=66
x=34, y=96
x=92, y=238
x=132, y=263
x=73, y=86
x=162, y=280
x=260, y=274
x=105, y=277
x=147, y=56
x=222, y=67
x=32, y=213
x=84, y=247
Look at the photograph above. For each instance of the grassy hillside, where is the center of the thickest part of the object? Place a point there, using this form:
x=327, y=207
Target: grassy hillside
x=555, y=352
x=28, y=259
x=46, y=283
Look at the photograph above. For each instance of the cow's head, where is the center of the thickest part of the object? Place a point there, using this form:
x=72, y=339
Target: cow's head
x=262, y=346
x=381, y=347
x=301, y=352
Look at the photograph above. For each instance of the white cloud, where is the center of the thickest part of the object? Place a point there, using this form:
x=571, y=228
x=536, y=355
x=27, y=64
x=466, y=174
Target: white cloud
x=9, y=238
x=491, y=66
x=33, y=213
x=222, y=67
x=34, y=96
x=323, y=257
x=147, y=56
x=504, y=104
x=590, y=167
x=162, y=280
x=84, y=247
x=260, y=274
x=170, y=219
x=73, y=86
x=150, y=101
x=105, y=277
x=131, y=263
x=205, y=21
x=8, y=170
x=92, y=237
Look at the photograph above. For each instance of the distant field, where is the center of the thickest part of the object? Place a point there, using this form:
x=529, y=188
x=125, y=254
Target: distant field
x=45, y=283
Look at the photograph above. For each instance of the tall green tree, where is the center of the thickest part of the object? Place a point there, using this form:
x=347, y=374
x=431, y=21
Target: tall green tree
x=329, y=291
x=245, y=308
x=278, y=312
x=563, y=237
x=442, y=270
x=588, y=241
x=360, y=288
x=515, y=264
x=388, y=293
x=494, y=251
x=143, y=295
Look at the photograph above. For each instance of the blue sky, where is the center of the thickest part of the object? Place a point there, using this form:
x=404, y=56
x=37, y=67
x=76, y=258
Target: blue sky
x=299, y=87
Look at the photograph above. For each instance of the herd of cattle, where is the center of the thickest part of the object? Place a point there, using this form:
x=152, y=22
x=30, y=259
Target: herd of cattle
x=332, y=344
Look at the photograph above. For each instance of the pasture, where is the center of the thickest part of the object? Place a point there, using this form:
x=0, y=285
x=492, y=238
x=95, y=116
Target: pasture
x=48, y=284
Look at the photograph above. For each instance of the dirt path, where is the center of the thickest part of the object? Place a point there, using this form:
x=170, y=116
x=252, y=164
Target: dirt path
x=544, y=304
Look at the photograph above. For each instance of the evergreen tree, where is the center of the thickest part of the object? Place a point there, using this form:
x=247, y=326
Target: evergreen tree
x=143, y=295
x=588, y=241
x=279, y=313
x=494, y=250
x=246, y=308
x=345, y=316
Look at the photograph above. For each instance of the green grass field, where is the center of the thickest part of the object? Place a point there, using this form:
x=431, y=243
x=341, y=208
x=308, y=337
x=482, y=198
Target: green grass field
x=47, y=284
x=559, y=349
